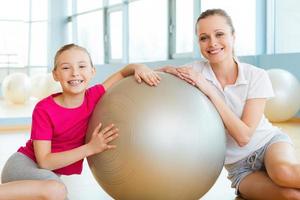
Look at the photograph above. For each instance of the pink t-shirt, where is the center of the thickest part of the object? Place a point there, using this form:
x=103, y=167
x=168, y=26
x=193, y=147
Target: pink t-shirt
x=65, y=127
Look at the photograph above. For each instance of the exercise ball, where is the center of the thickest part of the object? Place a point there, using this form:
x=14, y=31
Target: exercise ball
x=44, y=85
x=171, y=142
x=286, y=102
x=16, y=88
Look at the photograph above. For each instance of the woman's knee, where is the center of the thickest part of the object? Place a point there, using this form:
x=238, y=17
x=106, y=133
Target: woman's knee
x=55, y=190
x=282, y=174
x=290, y=193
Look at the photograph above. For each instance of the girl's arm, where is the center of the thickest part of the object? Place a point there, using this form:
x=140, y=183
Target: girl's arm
x=141, y=73
x=241, y=129
x=99, y=142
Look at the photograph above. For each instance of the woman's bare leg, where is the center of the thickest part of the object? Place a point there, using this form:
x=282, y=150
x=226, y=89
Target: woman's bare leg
x=259, y=186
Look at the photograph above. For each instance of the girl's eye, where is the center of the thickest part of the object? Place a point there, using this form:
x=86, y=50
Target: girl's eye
x=64, y=68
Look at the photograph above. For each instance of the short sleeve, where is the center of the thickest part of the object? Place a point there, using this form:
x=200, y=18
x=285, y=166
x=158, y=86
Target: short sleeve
x=41, y=128
x=260, y=85
x=95, y=93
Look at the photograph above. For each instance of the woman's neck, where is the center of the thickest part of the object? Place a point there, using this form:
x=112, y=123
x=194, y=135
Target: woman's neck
x=226, y=72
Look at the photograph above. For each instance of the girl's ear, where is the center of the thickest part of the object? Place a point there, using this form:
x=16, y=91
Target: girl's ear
x=94, y=70
x=54, y=75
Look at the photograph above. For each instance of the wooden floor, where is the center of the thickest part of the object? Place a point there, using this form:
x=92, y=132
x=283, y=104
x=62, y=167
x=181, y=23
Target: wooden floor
x=85, y=187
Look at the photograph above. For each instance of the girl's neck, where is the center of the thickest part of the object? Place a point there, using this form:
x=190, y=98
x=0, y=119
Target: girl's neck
x=69, y=101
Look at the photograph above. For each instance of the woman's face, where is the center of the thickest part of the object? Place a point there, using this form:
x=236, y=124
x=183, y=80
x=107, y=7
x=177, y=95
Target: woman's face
x=215, y=39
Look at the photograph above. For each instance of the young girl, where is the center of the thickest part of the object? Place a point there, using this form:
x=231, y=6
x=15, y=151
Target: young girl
x=59, y=124
x=260, y=158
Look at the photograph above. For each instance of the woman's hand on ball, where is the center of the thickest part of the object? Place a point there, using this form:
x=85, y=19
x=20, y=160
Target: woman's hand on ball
x=100, y=139
x=144, y=73
x=171, y=70
x=195, y=78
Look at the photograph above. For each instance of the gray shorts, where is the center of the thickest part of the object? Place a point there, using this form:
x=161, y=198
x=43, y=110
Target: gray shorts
x=20, y=167
x=255, y=161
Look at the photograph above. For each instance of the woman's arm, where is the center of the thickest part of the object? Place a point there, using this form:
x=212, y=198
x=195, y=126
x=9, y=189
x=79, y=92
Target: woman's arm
x=241, y=129
x=99, y=142
x=141, y=73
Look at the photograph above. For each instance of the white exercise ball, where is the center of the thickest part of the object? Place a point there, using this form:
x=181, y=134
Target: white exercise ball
x=286, y=102
x=16, y=88
x=44, y=85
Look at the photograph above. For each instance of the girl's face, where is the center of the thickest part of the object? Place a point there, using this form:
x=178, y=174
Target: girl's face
x=215, y=39
x=73, y=71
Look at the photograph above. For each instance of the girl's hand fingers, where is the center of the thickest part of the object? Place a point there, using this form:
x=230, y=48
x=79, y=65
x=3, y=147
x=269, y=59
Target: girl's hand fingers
x=106, y=129
x=110, y=133
x=97, y=129
x=111, y=138
x=111, y=147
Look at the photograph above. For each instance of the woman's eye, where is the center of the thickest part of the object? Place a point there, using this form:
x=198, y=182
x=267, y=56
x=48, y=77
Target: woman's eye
x=202, y=39
x=219, y=34
x=82, y=66
x=65, y=68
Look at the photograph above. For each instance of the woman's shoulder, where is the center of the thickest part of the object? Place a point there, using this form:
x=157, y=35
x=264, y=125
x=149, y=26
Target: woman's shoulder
x=251, y=70
x=199, y=64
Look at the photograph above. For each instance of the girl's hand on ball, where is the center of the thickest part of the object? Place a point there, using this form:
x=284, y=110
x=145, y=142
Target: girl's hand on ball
x=101, y=138
x=144, y=73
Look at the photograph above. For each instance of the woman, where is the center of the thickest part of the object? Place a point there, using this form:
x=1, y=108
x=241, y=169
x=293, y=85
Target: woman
x=260, y=158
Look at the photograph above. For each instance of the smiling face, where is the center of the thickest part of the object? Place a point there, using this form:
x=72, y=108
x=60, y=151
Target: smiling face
x=215, y=39
x=73, y=69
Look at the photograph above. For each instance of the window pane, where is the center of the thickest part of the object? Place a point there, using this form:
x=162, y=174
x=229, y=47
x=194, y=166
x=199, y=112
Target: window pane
x=14, y=9
x=70, y=32
x=243, y=15
x=70, y=7
x=148, y=31
x=184, y=26
x=38, y=49
x=39, y=9
x=85, y=5
x=116, y=30
x=90, y=35
x=13, y=43
x=287, y=31
x=112, y=2
x=37, y=70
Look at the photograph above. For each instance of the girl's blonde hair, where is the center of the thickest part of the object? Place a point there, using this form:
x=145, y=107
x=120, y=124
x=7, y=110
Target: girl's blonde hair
x=68, y=47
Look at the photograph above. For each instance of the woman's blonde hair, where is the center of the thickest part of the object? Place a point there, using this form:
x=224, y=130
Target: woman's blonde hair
x=217, y=11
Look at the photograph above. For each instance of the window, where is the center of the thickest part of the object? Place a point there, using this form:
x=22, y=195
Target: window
x=184, y=26
x=113, y=2
x=148, y=29
x=116, y=35
x=38, y=37
x=90, y=34
x=87, y=5
x=287, y=30
x=23, y=36
x=38, y=44
x=243, y=15
x=13, y=44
